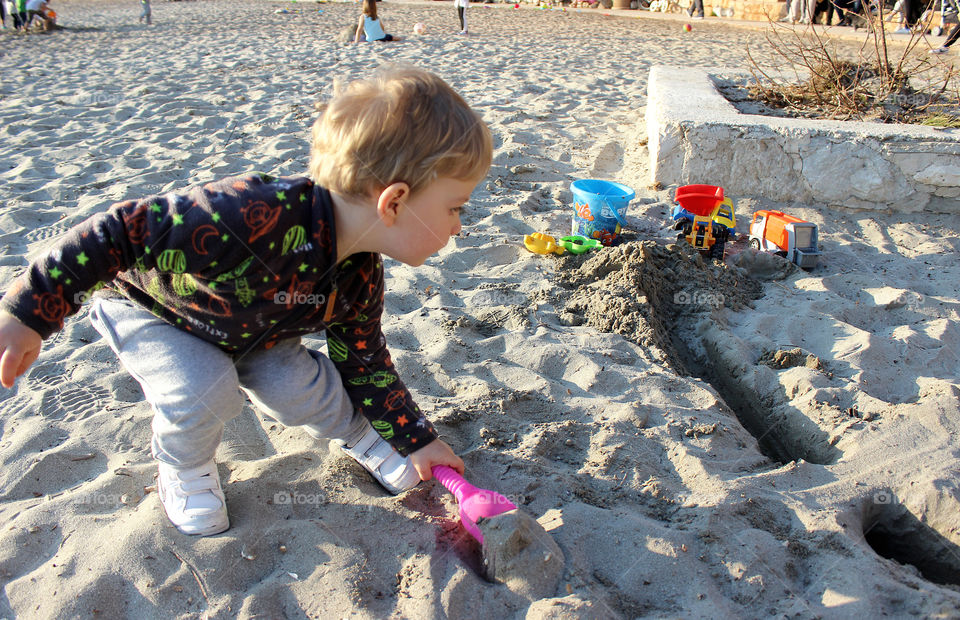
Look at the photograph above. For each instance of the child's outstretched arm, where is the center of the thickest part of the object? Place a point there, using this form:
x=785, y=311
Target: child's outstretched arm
x=162, y=241
x=359, y=351
x=19, y=347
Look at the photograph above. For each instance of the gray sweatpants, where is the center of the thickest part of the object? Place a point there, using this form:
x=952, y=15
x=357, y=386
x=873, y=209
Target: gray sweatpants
x=195, y=388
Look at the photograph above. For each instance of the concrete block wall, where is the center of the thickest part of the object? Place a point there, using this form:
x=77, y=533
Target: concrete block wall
x=696, y=136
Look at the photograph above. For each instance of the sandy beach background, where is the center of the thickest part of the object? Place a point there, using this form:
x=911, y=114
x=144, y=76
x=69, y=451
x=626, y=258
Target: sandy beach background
x=702, y=441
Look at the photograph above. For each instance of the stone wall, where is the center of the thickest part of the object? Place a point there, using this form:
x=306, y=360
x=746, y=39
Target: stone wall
x=696, y=136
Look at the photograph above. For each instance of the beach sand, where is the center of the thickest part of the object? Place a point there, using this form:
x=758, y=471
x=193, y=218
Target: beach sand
x=773, y=448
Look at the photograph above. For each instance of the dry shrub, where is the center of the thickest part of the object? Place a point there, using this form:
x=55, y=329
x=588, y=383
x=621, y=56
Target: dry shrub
x=875, y=83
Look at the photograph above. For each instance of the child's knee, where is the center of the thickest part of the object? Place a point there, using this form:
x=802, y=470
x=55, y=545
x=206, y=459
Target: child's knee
x=198, y=406
x=319, y=405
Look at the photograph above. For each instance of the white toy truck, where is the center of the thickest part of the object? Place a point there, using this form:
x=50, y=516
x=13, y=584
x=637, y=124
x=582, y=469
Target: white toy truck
x=786, y=235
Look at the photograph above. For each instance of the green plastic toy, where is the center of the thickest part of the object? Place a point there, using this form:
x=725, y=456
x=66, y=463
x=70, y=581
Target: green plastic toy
x=578, y=244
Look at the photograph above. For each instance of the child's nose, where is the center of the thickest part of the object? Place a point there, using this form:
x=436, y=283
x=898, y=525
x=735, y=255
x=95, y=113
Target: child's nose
x=456, y=229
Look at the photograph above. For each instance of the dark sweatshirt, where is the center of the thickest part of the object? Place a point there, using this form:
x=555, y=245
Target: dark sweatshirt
x=241, y=263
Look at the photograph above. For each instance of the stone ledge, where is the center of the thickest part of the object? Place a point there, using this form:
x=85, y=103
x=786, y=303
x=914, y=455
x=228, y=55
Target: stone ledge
x=696, y=136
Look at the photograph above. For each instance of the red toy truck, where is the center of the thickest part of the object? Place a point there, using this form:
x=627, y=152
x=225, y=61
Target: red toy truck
x=788, y=236
x=704, y=218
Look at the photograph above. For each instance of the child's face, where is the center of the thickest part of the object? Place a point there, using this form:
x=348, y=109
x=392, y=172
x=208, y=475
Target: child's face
x=431, y=217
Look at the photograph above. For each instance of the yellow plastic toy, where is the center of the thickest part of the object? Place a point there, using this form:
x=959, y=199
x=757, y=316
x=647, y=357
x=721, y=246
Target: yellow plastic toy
x=542, y=243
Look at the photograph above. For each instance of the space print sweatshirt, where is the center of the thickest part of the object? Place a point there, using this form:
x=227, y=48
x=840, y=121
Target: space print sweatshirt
x=242, y=263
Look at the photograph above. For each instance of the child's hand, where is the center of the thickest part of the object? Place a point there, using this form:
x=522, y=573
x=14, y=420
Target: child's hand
x=19, y=347
x=436, y=452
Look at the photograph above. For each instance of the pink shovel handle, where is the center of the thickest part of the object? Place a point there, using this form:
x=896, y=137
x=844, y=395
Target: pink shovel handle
x=474, y=503
x=454, y=482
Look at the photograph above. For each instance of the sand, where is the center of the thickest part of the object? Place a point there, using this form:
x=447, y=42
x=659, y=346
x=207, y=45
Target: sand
x=772, y=448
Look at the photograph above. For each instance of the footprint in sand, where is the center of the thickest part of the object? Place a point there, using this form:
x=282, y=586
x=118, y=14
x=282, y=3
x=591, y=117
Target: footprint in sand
x=49, y=375
x=73, y=402
x=12, y=406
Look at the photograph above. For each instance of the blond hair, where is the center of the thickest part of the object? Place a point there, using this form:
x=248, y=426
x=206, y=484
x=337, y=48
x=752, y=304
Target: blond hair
x=402, y=124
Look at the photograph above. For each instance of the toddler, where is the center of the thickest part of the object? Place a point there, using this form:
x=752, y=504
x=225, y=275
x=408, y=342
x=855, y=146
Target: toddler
x=205, y=294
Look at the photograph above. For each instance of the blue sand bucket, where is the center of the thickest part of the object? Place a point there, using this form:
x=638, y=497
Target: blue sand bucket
x=599, y=209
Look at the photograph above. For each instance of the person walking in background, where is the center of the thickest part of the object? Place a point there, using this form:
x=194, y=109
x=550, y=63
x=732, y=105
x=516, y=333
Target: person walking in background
x=145, y=11
x=20, y=14
x=11, y=7
x=910, y=12
x=949, y=12
x=951, y=39
x=370, y=26
x=461, y=6
x=696, y=9
x=798, y=11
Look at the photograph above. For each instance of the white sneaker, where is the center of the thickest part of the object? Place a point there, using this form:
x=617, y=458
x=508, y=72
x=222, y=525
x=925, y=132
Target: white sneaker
x=394, y=472
x=902, y=31
x=940, y=50
x=193, y=498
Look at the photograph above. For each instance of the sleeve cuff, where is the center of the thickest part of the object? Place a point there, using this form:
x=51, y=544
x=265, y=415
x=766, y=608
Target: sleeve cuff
x=407, y=444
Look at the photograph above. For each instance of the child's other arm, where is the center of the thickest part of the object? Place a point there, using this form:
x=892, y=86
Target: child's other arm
x=356, y=37
x=174, y=233
x=19, y=347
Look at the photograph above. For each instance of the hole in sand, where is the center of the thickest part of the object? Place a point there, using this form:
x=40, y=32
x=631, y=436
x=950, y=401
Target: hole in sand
x=655, y=295
x=783, y=433
x=895, y=533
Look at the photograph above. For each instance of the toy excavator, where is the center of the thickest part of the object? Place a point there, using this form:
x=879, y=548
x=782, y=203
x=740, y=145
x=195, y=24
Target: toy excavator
x=704, y=218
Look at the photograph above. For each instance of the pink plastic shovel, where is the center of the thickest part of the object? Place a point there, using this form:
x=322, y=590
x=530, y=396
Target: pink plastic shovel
x=474, y=503
x=516, y=550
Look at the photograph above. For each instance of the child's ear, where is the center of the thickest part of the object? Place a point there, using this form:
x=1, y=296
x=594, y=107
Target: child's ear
x=391, y=200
